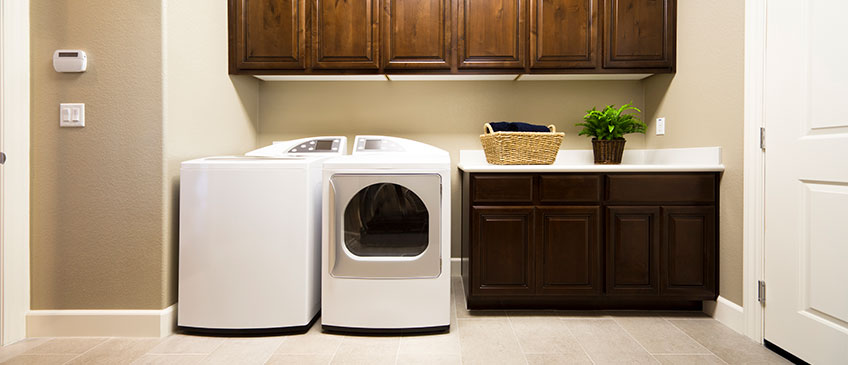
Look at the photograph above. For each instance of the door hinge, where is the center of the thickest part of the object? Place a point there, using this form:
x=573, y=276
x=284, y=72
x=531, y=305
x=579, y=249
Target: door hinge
x=761, y=291
x=763, y=138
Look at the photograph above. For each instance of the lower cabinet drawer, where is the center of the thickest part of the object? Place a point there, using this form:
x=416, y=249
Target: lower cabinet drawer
x=569, y=188
x=661, y=188
x=505, y=188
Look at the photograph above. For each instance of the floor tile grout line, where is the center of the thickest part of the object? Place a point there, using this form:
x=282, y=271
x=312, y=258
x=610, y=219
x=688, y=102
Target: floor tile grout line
x=699, y=342
x=634, y=338
x=86, y=351
x=578, y=343
x=512, y=328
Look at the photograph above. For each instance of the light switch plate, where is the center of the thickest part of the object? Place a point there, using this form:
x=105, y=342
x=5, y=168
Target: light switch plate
x=72, y=115
x=661, y=126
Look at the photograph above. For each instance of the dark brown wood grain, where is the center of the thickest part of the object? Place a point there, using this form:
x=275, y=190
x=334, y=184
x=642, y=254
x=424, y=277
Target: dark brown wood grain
x=657, y=188
x=416, y=34
x=502, y=244
x=491, y=34
x=569, y=188
x=563, y=34
x=345, y=34
x=506, y=188
x=270, y=34
x=649, y=241
x=639, y=33
x=632, y=250
x=688, y=251
x=568, y=250
x=358, y=37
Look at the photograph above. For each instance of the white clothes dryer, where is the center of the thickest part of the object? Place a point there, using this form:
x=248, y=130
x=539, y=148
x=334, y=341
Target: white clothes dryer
x=386, y=238
x=250, y=238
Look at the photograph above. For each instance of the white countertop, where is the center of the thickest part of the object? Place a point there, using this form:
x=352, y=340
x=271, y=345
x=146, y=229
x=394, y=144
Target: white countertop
x=659, y=160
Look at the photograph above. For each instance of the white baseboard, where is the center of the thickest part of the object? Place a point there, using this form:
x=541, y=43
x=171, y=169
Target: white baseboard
x=728, y=313
x=456, y=266
x=102, y=323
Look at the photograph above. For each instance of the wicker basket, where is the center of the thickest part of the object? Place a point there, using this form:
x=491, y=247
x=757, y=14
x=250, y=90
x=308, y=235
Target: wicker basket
x=608, y=152
x=520, y=148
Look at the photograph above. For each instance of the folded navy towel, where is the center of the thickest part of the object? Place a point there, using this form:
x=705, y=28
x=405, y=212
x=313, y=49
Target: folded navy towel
x=517, y=127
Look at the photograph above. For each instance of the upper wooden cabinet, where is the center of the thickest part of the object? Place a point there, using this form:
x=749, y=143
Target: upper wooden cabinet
x=417, y=34
x=451, y=36
x=269, y=34
x=491, y=33
x=562, y=34
x=345, y=34
x=639, y=34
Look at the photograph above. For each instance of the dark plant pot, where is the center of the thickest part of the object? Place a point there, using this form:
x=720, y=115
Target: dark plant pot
x=608, y=152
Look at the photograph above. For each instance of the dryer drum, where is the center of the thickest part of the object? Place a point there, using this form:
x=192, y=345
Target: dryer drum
x=386, y=219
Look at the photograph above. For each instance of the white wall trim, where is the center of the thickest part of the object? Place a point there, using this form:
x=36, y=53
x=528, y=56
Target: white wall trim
x=14, y=212
x=728, y=313
x=456, y=266
x=754, y=174
x=102, y=323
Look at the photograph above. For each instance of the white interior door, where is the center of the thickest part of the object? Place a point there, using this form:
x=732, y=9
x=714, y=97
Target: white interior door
x=806, y=235
x=14, y=138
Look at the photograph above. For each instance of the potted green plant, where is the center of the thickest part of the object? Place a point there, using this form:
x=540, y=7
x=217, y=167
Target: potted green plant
x=607, y=128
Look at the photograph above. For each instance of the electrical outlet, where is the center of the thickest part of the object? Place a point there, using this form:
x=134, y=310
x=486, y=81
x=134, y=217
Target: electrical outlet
x=72, y=115
x=661, y=126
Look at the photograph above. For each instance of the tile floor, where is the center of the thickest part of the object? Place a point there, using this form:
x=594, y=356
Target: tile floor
x=476, y=337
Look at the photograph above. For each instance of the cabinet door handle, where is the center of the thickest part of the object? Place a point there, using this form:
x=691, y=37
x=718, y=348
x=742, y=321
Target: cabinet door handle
x=2, y=158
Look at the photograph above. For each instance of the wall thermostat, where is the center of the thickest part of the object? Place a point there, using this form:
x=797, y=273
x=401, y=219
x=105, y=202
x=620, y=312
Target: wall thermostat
x=69, y=60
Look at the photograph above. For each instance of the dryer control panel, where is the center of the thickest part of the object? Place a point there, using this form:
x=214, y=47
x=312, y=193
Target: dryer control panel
x=317, y=145
x=376, y=144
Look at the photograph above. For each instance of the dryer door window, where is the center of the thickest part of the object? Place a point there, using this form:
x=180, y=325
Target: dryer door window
x=385, y=225
x=386, y=219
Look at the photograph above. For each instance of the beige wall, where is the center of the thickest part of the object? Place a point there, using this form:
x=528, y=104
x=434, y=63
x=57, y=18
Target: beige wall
x=96, y=206
x=104, y=197
x=447, y=114
x=207, y=112
x=703, y=106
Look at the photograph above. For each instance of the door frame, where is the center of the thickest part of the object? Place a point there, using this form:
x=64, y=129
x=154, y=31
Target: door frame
x=15, y=142
x=754, y=170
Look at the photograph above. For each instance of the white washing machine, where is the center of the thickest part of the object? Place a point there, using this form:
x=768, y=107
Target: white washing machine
x=386, y=238
x=250, y=238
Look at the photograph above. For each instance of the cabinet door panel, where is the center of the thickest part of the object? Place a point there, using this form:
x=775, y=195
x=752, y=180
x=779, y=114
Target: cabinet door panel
x=502, y=251
x=688, y=251
x=568, y=240
x=416, y=34
x=562, y=34
x=639, y=33
x=491, y=33
x=345, y=34
x=632, y=255
x=270, y=34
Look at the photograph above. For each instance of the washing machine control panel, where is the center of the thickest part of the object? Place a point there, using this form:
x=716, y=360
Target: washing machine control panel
x=377, y=145
x=317, y=145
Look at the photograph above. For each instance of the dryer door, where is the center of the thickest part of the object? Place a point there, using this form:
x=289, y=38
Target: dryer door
x=385, y=226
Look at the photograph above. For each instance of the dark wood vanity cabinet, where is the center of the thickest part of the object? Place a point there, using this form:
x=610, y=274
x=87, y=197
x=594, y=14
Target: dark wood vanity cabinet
x=589, y=240
x=451, y=36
